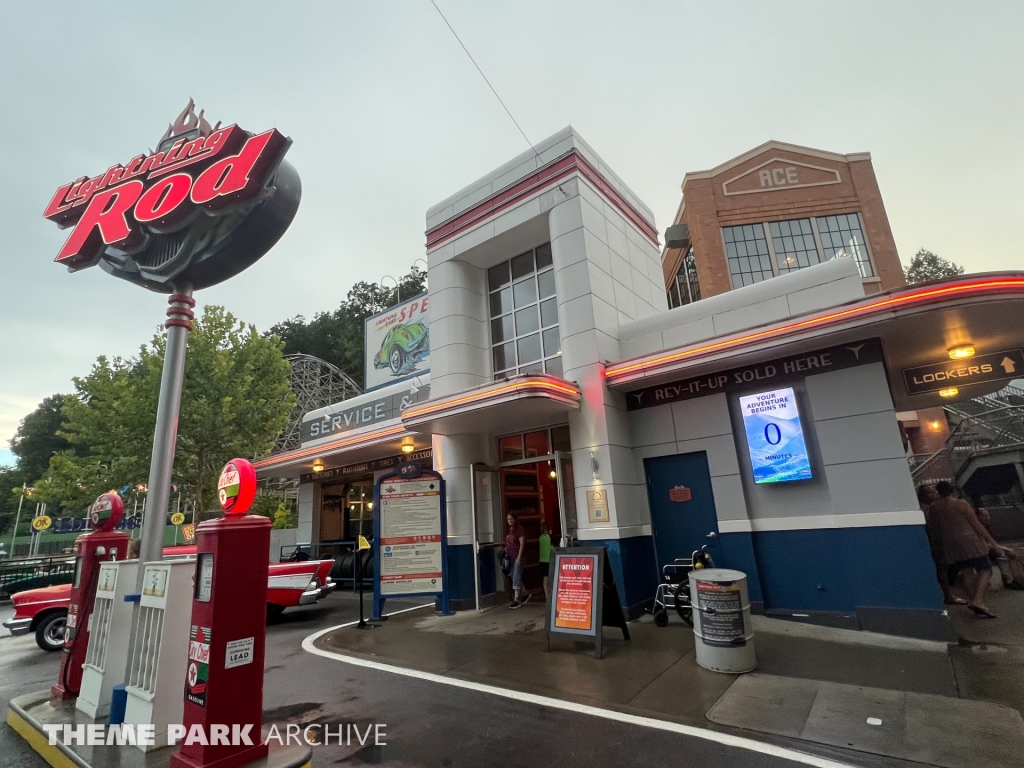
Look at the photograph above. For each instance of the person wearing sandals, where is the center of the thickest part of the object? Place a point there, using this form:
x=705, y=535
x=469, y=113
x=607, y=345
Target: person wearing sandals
x=925, y=496
x=965, y=545
x=515, y=544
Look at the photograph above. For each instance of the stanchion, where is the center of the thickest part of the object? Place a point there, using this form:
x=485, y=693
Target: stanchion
x=363, y=545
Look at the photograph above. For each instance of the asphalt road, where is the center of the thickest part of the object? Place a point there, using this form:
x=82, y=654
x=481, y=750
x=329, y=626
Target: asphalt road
x=426, y=724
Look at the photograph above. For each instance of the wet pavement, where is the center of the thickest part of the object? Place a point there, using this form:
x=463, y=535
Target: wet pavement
x=425, y=724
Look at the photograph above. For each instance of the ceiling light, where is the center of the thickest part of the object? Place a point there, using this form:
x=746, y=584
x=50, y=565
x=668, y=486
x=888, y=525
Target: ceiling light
x=960, y=352
x=318, y=466
x=949, y=392
x=407, y=445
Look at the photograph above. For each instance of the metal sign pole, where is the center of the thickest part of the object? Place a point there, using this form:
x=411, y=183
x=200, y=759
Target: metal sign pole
x=17, y=518
x=158, y=489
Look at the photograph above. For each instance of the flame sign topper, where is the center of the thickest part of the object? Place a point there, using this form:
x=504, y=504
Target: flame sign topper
x=198, y=170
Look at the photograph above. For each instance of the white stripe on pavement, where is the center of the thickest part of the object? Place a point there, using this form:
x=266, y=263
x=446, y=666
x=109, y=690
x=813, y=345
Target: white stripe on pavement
x=569, y=706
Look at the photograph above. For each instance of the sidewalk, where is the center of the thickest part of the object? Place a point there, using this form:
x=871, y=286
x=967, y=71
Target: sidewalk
x=811, y=685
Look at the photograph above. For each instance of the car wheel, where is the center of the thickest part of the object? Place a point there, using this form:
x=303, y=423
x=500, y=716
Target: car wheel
x=50, y=632
x=396, y=359
x=274, y=611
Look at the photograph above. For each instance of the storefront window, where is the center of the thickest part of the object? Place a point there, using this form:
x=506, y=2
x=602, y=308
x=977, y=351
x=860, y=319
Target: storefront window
x=359, y=509
x=532, y=445
x=524, y=315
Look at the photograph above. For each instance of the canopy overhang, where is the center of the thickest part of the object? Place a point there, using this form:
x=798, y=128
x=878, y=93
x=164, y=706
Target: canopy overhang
x=917, y=325
x=513, y=405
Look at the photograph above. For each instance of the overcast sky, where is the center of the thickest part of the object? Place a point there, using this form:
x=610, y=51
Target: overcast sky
x=389, y=117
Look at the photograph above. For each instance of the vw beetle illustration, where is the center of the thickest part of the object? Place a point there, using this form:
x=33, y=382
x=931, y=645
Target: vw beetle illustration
x=403, y=347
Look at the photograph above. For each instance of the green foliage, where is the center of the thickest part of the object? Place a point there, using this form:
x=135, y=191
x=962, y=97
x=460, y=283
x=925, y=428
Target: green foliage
x=337, y=337
x=929, y=266
x=37, y=438
x=235, y=401
x=284, y=517
x=11, y=479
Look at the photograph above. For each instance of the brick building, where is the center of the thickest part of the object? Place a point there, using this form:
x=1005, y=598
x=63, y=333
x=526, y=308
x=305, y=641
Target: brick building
x=777, y=209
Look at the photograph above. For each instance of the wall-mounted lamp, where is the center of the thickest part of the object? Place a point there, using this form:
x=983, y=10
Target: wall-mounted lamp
x=935, y=425
x=407, y=445
x=961, y=351
x=949, y=392
x=594, y=466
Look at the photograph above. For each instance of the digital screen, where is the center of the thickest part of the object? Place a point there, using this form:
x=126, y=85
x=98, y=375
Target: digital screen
x=775, y=438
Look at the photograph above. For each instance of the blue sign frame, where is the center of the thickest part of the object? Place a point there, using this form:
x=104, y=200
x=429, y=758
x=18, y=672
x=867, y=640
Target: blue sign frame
x=404, y=472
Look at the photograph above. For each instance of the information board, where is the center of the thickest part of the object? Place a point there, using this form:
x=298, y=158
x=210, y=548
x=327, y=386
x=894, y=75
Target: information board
x=410, y=538
x=775, y=437
x=584, y=596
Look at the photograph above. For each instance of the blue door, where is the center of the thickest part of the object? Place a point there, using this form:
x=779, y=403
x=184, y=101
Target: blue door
x=682, y=506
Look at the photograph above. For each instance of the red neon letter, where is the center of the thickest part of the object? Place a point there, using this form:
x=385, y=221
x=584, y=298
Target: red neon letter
x=240, y=176
x=161, y=205
x=103, y=223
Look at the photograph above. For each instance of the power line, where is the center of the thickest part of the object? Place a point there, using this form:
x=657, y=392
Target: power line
x=507, y=112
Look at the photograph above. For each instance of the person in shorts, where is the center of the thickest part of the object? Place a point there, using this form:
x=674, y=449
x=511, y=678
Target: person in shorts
x=515, y=545
x=965, y=545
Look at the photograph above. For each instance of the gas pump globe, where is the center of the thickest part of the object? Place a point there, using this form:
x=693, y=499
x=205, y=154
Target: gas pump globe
x=101, y=544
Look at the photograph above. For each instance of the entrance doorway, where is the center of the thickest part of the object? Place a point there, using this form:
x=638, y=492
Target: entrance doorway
x=683, y=515
x=347, y=510
x=536, y=485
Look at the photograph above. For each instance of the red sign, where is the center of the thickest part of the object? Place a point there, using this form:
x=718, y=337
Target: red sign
x=575, y=596
x=679, y=493
x=236, y=487
x=106, y=512
x=197, y=169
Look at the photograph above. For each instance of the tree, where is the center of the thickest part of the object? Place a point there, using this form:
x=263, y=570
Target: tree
x=235, y=401
x=37, y=438
x=337, y=337
x=11, y=479
x=930, y=266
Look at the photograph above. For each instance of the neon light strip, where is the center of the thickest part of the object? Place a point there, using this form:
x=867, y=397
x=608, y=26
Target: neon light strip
x=918, y=296
x=492, y=393
x=350, y=442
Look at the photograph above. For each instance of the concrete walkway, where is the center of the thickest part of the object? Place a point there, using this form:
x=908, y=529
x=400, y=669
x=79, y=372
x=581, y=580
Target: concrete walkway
x=656, y=675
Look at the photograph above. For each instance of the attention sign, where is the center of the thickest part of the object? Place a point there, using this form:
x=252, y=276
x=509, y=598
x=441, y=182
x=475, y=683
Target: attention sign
x=584, y=595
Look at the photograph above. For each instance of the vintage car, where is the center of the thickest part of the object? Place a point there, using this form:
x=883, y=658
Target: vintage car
x=44, y=611
x=404, y=345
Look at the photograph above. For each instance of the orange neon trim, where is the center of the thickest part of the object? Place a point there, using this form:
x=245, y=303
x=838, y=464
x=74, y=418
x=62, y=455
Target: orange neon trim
x=490, y=394
x=618, y=371
x=344, y=443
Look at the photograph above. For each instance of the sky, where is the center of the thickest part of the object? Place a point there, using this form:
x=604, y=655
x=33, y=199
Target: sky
x=388, y=116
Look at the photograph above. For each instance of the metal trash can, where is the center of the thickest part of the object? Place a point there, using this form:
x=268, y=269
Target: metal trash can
x=722, y=628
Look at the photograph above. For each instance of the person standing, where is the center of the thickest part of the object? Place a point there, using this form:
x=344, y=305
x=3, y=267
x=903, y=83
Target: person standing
x=926, y=494
x=544, y=546
x=965, y=545
x=515, y=546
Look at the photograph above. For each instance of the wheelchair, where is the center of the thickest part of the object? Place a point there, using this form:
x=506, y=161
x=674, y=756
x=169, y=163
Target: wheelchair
x=674, y=590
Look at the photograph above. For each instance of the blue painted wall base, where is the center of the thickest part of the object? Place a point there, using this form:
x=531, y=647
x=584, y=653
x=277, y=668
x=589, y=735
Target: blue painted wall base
x=635, y=569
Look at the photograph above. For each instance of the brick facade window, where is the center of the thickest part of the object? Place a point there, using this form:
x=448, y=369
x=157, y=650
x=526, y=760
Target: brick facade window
x=746, y=249
x=685, y=288
x=524, y=315
x=794, y=245
x=757, y=252
x=842, y=236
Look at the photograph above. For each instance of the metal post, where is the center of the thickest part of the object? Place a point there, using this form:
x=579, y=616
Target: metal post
x=17, y=518
x=476, y=537
x=178, y=325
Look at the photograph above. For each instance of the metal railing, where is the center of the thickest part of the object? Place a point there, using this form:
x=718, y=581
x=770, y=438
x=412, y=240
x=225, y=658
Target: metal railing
x=989, y=424
x=34, y=572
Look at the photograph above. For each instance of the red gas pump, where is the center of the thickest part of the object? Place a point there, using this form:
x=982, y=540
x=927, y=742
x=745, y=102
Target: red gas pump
x=101, y=544
x=224, y=677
